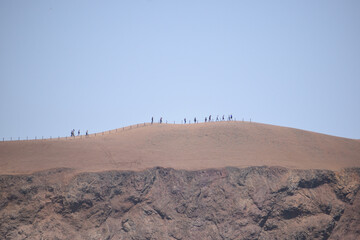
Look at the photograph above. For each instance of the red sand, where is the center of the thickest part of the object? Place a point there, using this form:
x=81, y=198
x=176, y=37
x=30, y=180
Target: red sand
x=190, y=147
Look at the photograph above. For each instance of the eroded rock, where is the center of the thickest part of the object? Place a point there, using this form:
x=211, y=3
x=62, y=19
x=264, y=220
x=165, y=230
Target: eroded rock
x=229, y=203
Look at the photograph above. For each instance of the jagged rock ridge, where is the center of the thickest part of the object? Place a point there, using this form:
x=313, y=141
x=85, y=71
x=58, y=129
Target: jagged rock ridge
x=163, y=203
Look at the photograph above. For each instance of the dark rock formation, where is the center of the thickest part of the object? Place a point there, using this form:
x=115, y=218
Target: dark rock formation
x=229, y=203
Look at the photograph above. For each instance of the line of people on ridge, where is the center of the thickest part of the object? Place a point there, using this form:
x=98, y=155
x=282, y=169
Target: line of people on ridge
x=73, y=133
x=207, y=119
x=230, y=118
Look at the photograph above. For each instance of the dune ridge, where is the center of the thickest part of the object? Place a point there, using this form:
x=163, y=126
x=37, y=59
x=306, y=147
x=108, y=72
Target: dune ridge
x=183, y=146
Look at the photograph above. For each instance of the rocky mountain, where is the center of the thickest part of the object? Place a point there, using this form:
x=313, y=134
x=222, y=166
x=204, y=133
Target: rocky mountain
x=163, y=203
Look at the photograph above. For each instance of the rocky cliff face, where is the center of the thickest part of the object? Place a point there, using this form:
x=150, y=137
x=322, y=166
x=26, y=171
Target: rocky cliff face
x=229, y=203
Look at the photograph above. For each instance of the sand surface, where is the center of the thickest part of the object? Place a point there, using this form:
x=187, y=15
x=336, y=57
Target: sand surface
x=189, y=147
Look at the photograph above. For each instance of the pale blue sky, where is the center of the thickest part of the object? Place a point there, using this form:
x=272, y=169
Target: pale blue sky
x=100, y=65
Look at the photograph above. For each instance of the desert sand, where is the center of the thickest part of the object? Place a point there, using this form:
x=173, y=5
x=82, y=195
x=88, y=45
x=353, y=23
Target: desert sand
x=187, y=147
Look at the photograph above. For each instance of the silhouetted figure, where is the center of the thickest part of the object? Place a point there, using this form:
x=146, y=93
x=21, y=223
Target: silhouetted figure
x=217, y=118
x=79, y=132
x=231, y=118
x=184, y=120
x=210, y=118
x=223, y=118
x=152, y=120
x=205, y=119
x=161, y=120
x=87, y=132
x=194, y=120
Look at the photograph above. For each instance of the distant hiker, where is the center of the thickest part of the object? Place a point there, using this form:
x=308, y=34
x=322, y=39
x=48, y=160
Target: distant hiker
x=205, y=119
x=161, y=120
x=87, y=132
x=223, y=118
x=210, y=118
x=194, y=120
x=152, y=120
x=184, y=120
x=231, y=117
x=217, y=118
x=79, y=132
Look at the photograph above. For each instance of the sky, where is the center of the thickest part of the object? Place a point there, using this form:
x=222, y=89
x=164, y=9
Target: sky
x=101, y=65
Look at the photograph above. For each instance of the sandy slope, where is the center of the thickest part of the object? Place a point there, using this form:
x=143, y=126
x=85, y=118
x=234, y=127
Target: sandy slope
x=190, y=147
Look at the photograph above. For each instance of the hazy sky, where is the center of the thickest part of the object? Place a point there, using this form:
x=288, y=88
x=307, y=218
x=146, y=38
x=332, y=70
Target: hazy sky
x=100, y=65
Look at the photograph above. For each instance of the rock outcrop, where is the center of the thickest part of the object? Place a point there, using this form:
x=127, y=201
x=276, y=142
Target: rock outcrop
x=163, y=203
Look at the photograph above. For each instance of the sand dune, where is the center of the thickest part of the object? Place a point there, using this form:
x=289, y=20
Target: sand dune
x=189, y=147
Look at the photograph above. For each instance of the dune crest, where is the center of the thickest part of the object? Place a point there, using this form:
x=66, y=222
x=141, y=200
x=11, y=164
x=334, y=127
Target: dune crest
x=188, y=147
